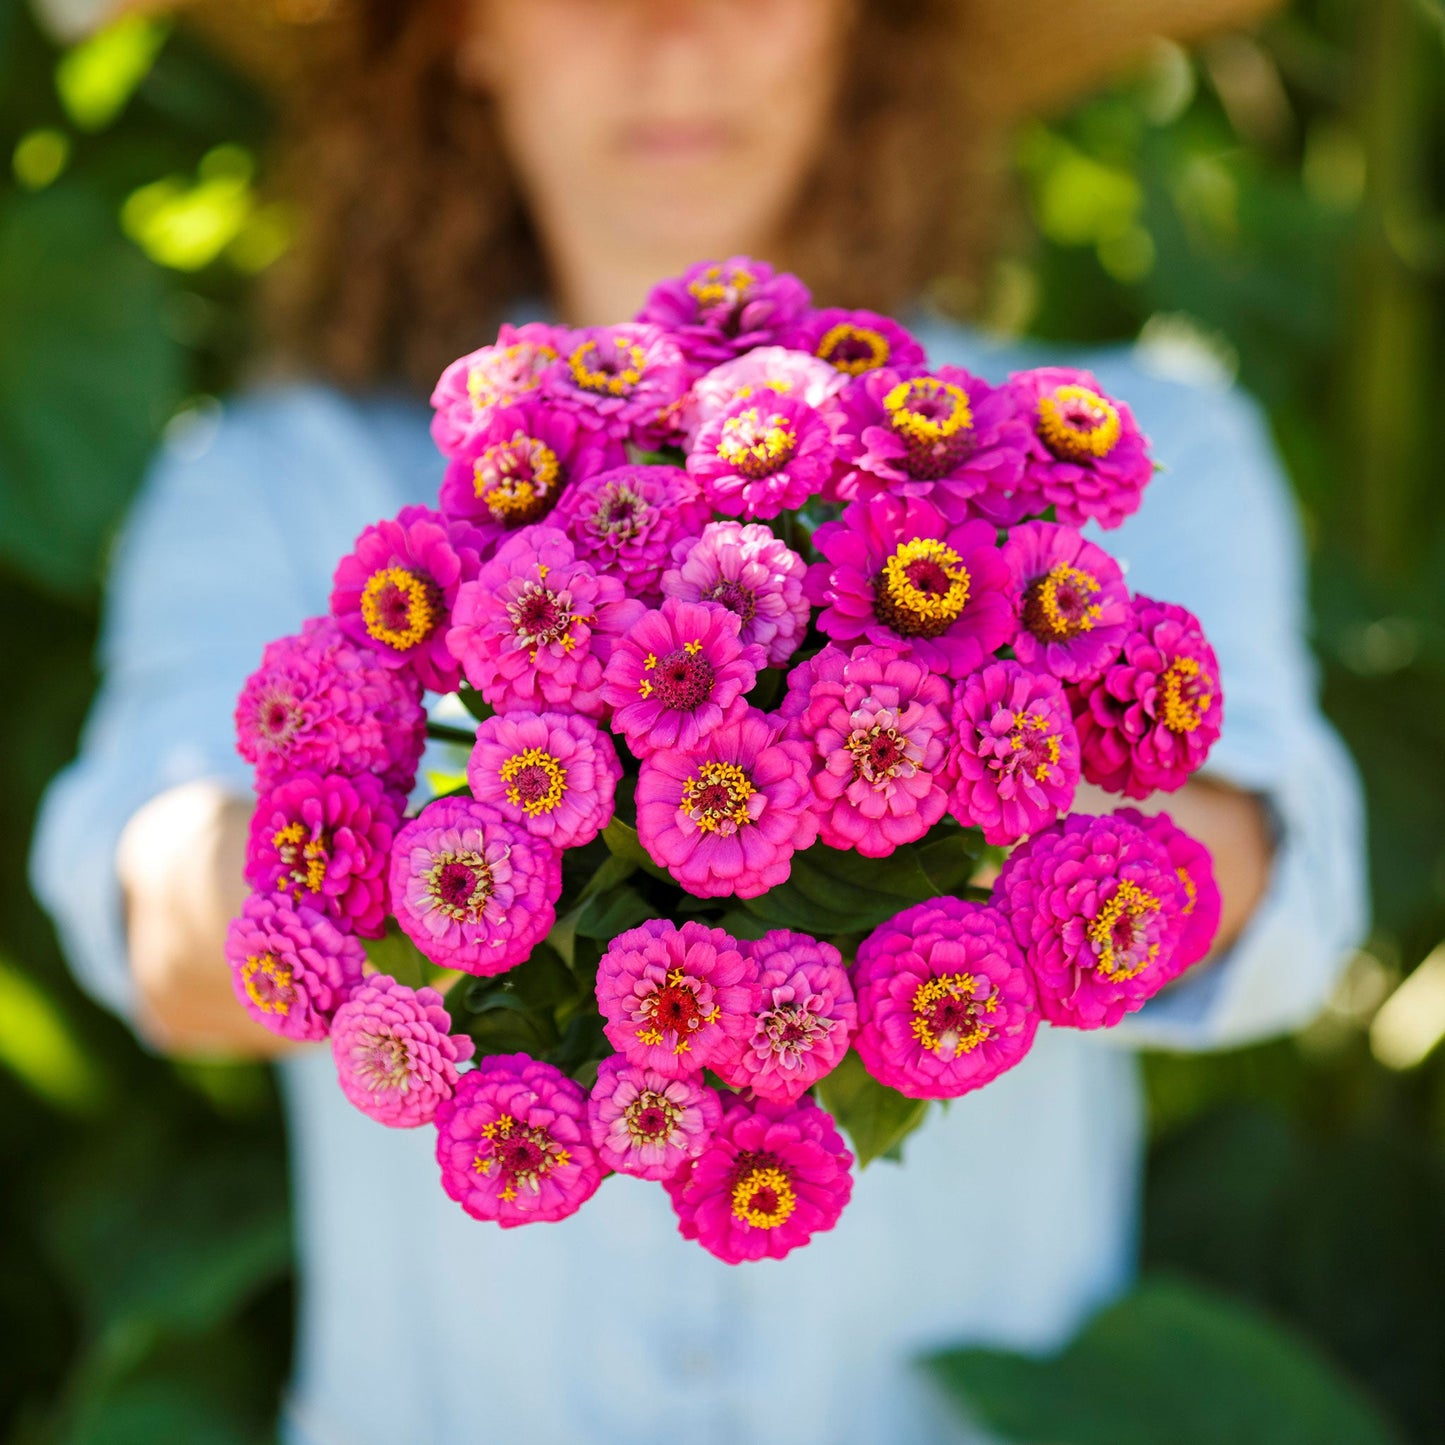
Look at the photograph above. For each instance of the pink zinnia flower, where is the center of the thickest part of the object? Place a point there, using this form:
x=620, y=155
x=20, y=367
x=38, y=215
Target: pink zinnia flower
x=647, y=1124
x=1098, y=909
x=727, y=816
x=771, y=1177
x=1073, y=606
x=394, y=592
x=768, y=372
x=291, y=968
x=535, y=629
x=855, y=342
x=477, y=383
x=763, y=455
x=1085, y=457
x=324, y=840
x=625, y=522
x=552, y=774
x=513, y=1142
x=898, y=574
x=1016, y=754
x=1195, y=866
x=802, y=1021
x=945, y=1003
x=676, y=1000
x=719, y=309
x=470, y=888
x=396, y=1057
x=678, y=674
x=1148, y=720
x=318, y=701
x=742, y=566
x=512, y=468
x=875, y=722
x=945, y=435
x=627, y=380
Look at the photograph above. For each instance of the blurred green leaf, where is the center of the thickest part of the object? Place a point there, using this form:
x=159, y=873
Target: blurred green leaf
x=876, y=1119
x=87, y=376
x=395, y=954
x=39, y=1048
x=96, y=78
x=1170, y=1363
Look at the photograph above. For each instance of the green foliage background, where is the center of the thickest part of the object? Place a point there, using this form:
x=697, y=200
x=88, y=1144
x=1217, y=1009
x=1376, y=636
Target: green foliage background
x=1279, y=202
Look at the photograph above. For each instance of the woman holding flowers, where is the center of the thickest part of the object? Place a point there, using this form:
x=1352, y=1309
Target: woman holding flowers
x=461, y=162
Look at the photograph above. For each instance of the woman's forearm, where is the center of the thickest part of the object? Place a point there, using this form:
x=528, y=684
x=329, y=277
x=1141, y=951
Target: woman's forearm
x=1234, y=827
x=180, y=862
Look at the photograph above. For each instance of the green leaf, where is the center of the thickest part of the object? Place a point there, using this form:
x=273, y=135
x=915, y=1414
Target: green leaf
x=622, y=842
x=609, y=914
x=1172, y=1362
x=877, y=1119
x=475, y=703
x=395, y=954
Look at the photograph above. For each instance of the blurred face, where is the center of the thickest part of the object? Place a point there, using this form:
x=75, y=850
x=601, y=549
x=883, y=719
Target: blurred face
x=665, y=130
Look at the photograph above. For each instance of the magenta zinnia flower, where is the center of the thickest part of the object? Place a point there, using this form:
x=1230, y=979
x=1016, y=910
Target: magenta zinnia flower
x=552, y=774
x=1098, y=909
x=945, y=1002
x=396, y=1057
x=395, y=590
x=803, y=1018
x=512, y=469
x=857, y=341
x=898, y=574
x=765, y=454
x=318, y=701
x=1195, y=866
x=1086, y=457
x=771, y=1177
x=727, y=816
x=719, y=309
x=470, y=888
x=625, y=522
x=678, y=674
x=291, y=968
x=535, y=629
x=676, y=1000
x=1016, y=754
x=1073, y=606
x=742, y=566
x=477, y=383
x=768, y=372
x=513, y=1142
x=324, y=840
x=626, y=380
x=945, y=435
x=646, y=1124
x=876, y=726
x=1148, y=720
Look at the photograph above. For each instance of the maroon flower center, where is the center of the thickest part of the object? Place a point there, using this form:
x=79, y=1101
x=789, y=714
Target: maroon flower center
x=761, y=1188
x=735, y=597
x=521, y=1155
x=540, y=616
x=460, y=884
x=651, y=1117
x=682, y=680
x=383, y=1061
x=533, y=784
x=278, y=719
x=790, y=1031
x=674, y=1010
x=879, y=752
x=620, y=514
x=1059, y=605
x=455, y=884
x=950, y=1013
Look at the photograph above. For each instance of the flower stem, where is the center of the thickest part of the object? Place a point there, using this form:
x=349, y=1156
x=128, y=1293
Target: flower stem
x=445, y=733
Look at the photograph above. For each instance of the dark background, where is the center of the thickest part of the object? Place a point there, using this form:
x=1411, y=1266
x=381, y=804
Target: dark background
x=1274, y=200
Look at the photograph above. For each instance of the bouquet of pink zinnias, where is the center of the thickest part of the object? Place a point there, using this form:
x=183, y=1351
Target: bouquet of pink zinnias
x=777, y=643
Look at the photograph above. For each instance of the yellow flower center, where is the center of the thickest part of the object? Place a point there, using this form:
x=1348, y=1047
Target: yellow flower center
x=536, y=781
x=267, y=982
x=763, y=1196
x=398, y=608
x=305, y=859
x=922, y=589
x=927, y=410
x=1121, y=947
x=498, y=376
x=591, y=373
x=515, y=479
x=853, y=349
x=950, y=1014
x=754, y=447
x=1042, y=751
x=1077, y=424
x=1185, y=693
x=1057, y=606
x=716, y=797
x=718, y=287
x=522, y=1154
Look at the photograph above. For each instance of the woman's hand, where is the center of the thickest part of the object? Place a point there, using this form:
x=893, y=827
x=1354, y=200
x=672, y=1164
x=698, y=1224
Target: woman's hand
x=1232, y=824
x=180, y=862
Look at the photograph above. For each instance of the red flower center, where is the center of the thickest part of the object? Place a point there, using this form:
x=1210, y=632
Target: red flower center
x=278, y=719
x=682, y=680
x=651, y=1117
x=460, y=884
x=675, y=1012
x=522, y=1155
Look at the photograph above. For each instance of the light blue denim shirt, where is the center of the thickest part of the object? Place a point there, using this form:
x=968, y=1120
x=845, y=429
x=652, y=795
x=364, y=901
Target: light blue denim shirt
x=1016, y=1212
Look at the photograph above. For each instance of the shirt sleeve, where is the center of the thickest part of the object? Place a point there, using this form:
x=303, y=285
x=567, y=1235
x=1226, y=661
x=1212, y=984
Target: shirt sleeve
x=1218, y=534
x=230, y=544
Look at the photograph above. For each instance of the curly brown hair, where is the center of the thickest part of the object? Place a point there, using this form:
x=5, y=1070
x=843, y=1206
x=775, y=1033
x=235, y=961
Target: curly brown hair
x=413, y=238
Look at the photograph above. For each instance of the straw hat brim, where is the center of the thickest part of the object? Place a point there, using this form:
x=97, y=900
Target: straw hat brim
x=1033, y=55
